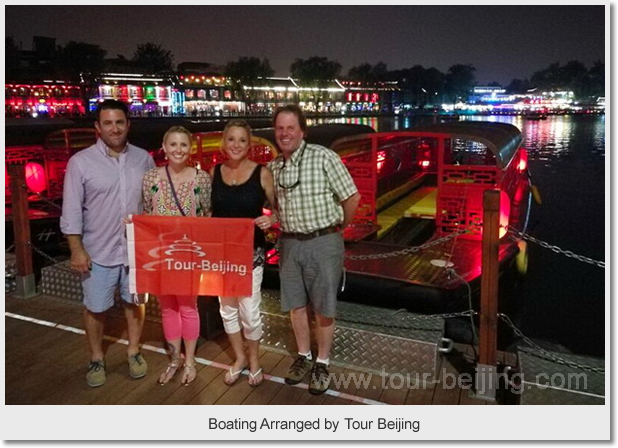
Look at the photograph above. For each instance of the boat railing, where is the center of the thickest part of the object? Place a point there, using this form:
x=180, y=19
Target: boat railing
x=385, y=167
x=461, y=188
x=46, y=164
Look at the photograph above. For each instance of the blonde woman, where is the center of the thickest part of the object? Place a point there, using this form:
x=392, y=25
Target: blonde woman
x=240, y=189
x=178, y=189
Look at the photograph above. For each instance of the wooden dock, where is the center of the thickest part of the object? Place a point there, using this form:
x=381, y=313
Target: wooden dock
x=46, y=361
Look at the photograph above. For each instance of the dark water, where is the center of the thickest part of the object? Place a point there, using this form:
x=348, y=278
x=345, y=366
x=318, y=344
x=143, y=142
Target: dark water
x=562, y=300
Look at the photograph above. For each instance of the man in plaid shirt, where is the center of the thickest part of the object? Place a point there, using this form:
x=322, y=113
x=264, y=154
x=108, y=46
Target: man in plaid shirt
x=316, y=200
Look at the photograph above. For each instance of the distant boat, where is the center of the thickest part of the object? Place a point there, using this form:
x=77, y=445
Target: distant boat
x=535, y=116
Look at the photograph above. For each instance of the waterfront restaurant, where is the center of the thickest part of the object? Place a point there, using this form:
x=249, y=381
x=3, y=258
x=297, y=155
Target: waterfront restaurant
x=49, y=98
x=146, y=95
x=208, y=95
x=378, y=97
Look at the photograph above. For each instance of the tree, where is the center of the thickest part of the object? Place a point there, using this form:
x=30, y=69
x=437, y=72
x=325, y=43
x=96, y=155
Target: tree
x=575, y=76
x=153, y=58
x=459, y=81
x=368, y=73
x=11, y=59
x=518, y=86
x=597, y=79
x=317, y=72
x=79, y=57
x=549, y=78
x=245, y=72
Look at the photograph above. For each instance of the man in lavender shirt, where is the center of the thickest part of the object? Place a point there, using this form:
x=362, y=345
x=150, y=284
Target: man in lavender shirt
x=102, y=187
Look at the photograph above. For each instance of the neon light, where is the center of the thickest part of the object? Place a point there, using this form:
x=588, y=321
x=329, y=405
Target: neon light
x=381, y=159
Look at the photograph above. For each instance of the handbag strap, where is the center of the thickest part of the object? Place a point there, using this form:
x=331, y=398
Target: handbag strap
x=169, y=178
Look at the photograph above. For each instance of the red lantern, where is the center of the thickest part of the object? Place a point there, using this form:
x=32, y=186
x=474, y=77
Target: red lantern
x=35, y=177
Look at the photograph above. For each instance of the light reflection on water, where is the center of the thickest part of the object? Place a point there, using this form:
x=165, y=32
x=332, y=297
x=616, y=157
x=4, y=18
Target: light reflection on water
x=562, y=299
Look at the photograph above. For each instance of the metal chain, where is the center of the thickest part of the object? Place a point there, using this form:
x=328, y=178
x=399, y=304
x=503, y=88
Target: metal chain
x=50, y=258
x=556, y=249
x=409, y=250
x=48, y=201
x=544, y=352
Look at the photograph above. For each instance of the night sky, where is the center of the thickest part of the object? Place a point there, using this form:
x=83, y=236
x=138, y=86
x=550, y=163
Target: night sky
x=502, y=42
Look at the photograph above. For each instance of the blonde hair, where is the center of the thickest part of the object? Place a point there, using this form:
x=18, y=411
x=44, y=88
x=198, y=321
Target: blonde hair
x=178, y=130
x=237, y=124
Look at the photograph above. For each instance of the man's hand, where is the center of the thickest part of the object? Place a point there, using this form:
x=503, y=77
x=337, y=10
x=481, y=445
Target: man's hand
x=80, y=261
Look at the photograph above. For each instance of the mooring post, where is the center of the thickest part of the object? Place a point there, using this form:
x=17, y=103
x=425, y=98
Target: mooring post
x=26, y=287
x=487, y=373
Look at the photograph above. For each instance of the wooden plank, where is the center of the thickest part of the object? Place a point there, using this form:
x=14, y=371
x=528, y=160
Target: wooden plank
x=446, y=390
x=367, y=386
x=488, y=319
x=191, y=393
x=422, y=394
x=263, y=394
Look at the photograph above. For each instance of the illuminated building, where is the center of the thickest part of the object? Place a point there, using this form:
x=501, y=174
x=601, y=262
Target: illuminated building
x=378, y=97
x=48, y=99
x=146, y=95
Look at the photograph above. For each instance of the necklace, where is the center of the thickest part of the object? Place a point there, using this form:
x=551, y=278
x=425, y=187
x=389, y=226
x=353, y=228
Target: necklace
x=237, y=172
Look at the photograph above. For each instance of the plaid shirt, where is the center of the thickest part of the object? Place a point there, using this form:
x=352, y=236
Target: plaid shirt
x=323, y=183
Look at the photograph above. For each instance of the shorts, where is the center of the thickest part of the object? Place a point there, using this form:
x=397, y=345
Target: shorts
x=310, y=272
x=100, y=285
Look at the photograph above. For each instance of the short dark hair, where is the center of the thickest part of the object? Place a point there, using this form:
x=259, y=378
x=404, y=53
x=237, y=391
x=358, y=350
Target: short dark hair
x=292, y=109
x=111, y=104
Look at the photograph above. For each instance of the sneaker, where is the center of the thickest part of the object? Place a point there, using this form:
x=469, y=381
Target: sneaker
x=320, y=379
x=299, y=368
x=96, y=374
x=137, y=366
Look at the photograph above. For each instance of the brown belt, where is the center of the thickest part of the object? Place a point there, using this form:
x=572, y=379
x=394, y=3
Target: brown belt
x=311, y=235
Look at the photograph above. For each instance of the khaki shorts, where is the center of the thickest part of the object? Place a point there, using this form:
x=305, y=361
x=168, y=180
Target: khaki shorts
x=310, y=272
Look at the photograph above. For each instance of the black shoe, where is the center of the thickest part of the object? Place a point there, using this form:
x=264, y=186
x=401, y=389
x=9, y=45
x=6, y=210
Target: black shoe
x=299, y=368
x=320, y=378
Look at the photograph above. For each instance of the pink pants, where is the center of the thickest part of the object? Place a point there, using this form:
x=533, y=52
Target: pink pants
x=180, y=317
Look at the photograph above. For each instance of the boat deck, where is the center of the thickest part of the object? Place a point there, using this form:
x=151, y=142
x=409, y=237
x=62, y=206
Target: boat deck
x=46, y=358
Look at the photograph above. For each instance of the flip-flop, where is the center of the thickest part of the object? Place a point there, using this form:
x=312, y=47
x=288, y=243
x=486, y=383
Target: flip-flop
x=253, y=376
x=234, y=375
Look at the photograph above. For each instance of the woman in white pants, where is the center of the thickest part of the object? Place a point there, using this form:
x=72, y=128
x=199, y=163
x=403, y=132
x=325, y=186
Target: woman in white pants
x=240, y=188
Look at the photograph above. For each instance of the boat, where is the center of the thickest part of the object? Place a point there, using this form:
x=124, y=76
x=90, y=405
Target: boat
x=535, y=115
x=422, y=198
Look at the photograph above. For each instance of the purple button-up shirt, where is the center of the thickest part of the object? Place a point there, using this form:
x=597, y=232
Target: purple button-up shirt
x=99, y=191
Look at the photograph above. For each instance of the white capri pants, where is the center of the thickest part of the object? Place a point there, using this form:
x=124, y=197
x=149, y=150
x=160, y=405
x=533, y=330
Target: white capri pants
x=244, y=310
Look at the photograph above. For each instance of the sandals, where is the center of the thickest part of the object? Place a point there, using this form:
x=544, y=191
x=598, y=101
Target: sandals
x=170, y=371
x=233, y=375
x=189, y=374
x=255, y=379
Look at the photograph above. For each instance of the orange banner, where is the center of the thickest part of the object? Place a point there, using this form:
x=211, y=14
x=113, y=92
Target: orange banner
x=190, y=256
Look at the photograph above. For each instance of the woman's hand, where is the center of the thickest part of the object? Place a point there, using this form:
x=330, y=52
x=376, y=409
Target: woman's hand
x=264, y=222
